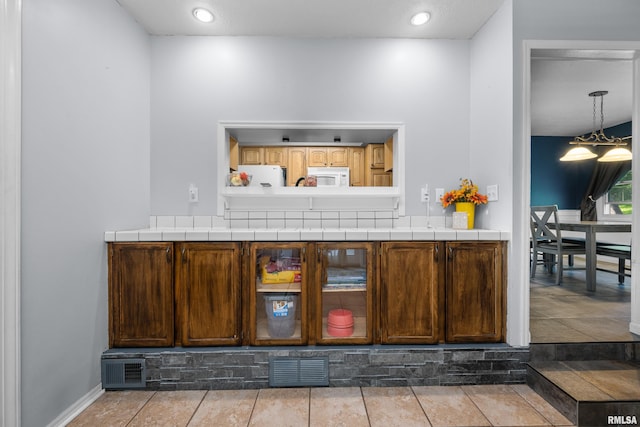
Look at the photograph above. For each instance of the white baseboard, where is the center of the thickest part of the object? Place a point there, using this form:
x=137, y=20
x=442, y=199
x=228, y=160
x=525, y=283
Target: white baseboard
x=74, y=410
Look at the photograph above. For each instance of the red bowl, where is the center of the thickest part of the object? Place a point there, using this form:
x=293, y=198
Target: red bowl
x=339, y=332
x=340, y=318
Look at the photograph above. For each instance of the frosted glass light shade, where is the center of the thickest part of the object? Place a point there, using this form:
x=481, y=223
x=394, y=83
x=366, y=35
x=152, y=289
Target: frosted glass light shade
x=617, y=154
x=578, y=153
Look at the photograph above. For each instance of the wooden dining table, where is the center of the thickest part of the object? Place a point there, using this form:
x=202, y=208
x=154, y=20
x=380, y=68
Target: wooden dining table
x=590, y=229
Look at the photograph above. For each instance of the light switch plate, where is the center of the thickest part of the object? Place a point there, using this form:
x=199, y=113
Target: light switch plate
x=492, y=192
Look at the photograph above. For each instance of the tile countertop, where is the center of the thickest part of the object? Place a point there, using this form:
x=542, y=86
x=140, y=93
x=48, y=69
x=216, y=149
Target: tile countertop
x=309, y=234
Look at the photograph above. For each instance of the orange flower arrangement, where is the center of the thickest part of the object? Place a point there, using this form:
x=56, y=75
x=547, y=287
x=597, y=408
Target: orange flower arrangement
x=468, y=192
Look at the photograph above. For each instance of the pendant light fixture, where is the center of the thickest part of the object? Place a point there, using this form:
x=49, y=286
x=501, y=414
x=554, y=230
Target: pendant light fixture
x=597, y=137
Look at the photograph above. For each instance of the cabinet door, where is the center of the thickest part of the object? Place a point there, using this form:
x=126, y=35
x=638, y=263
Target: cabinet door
x=357, y=166
x=278, y=293
x=141, y=294
x=208, y=286
x=375, y=155
x=388, y=154
x=251, y=155
x=276, y=156
x=338, y=157
x=343, y=303
x=297, y=166
x=317, y=157
x=380, y=178
x=475, y=295
x=411, y=275
x=234, y=154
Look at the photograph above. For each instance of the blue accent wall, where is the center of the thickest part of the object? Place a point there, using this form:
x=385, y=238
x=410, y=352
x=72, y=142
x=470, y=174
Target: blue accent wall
x=562, y=183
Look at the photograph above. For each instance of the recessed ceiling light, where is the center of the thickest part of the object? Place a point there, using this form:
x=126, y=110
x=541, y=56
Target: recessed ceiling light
x=420, y=18
x=203, y=15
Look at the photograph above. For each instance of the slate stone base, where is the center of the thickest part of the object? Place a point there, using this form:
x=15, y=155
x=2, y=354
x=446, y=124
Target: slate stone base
x=353, y=366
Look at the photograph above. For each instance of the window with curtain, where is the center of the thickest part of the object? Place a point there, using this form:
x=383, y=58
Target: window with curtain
x=617, y=201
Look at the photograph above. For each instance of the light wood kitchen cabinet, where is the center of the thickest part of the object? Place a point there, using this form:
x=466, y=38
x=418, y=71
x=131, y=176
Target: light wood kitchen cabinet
x=317, y=157
x=357, y=166
x=411, y=292
x=327, y=157
x=380, y=178
x=208, y=294
x=234, y=154
x=297, y=164
x=475, y=303
x=375, y=174
x=141, y=294
x=388, y=154
x=375, y=155
x=251, y=155
x=276, y=156
x=343, y=293
x=338, y=156
x=278, y=292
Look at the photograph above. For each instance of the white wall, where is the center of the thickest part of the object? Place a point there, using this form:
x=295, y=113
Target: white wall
x=198, y=81
x=491, y=146
x=85, y=169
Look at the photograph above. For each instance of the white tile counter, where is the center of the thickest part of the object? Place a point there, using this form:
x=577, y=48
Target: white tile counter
x=217, y=234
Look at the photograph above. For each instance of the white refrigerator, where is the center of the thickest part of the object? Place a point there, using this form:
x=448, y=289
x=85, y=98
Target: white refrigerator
x=264, y=176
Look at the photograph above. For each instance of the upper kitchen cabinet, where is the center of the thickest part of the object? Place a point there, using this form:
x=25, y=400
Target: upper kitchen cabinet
x=328, y=157
x=276, y=156
x=388, y=154
x=252, y=155
x=234, y=154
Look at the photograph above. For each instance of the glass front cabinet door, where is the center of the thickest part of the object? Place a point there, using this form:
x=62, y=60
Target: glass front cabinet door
x=343, y=298
x=278, y=292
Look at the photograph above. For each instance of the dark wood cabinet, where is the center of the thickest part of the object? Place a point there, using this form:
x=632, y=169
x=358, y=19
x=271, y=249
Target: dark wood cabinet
x=411, y=299
x=343, y=293
x=475, y=296
x=141, y=294
x=208, y=294
x=224, y=293
x=278, y=292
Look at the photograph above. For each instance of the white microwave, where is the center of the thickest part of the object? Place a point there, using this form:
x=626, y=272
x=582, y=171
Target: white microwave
x=330, y=177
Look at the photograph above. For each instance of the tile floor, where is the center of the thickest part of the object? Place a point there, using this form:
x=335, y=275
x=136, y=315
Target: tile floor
x=484, y=405
x=570, y=313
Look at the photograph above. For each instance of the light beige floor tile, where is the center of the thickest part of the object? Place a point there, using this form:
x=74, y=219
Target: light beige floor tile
x=616, y=378
x=553, y=330
x=169, y=408
x=542, y=406
x=449, y=406
x=281, y=407
x=601, y=329
x=393, y=406
x=570, y=382
x=113, y=408
x=337, y=407
x=224, y=408
x=503, y=406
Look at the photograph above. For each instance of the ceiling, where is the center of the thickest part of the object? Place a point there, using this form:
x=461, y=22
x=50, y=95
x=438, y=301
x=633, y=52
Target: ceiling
x=561, y=79
x=450, y=19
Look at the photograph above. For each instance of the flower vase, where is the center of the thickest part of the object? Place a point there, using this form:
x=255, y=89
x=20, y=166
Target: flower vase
x=470, y=209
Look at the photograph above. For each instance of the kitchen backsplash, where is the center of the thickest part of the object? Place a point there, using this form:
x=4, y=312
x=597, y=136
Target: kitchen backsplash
x=300, y=220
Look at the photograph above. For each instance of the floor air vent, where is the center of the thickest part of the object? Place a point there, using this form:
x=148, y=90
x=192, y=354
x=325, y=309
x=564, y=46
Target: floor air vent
x=123, y=373
x=298, y=372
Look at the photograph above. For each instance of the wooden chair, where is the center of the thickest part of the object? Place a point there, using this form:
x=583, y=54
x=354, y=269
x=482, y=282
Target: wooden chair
x=548, y=242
